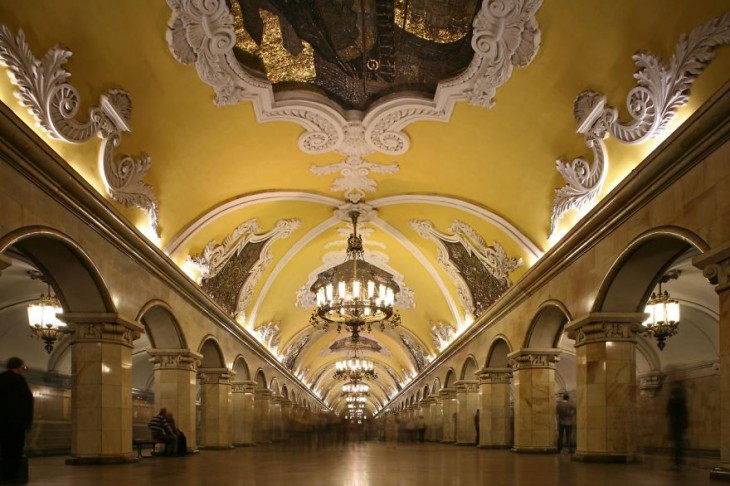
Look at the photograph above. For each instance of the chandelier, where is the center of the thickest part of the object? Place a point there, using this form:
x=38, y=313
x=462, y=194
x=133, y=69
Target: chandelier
x=355, y=387
x=42, y=316
x=355, y=399
x=354, y=294
x=663, y=311
x=355, y=369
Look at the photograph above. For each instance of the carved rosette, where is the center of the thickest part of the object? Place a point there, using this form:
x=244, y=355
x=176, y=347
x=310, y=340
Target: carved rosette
x=661, y=89
x=54, y=103
x=216, y=376
x=202, y=32
x=603, y=327
x=495, y=376
x=467, y=386
x=533, y=358
x=174, y=359
x=101, y=328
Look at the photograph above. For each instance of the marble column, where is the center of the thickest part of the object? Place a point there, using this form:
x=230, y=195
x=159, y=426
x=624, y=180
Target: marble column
x=448, y=421
x=437, y=420
x=426, y=412
x=275, y=418
x=533, y=379
x=243, y=412
x=262, y=419
x=215, y=421
x=467, y=404
x=495, y=424
x=101, y=388
x=175, y=373
x=715, y=267
x=286, y=418
x=605, y=348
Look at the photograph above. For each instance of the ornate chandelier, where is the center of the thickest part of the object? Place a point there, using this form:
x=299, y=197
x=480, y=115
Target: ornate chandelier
x=42, y=317
x=355, y=399
x=663, y=311
x=355, y=369
x=355, y=387
x=354, y=293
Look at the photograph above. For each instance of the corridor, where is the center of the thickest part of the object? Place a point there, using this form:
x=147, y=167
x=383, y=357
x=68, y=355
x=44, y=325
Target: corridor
x=369, y=463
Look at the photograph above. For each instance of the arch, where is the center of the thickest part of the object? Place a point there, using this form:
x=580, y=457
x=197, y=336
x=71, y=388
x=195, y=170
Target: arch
x=419, y=395
x=161, y=326
x=426, y=392
x=73, y=275
x=498, y=351
x=637, y=270
x=435, y=386
x=212, y=354
x=274, y=386
x=547, y=326
x=469, y=368
x=240, y=368
x=450, y=378
x=284, y=392
x=260, y=379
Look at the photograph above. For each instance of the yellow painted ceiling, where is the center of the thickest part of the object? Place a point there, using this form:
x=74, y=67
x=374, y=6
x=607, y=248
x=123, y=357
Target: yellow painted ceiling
x=498, y=161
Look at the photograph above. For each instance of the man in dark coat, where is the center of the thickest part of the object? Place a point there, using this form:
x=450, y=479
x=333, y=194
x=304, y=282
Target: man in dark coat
x=16, y=417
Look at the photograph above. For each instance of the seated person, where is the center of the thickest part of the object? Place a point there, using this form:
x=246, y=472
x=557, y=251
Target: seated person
x=182, y=441
x=162, y=432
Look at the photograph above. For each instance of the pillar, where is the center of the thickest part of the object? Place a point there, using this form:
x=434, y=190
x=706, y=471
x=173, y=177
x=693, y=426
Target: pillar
x=101, y=388
x=448, y=403
x=286, y=418
x=426, y=412
x=243, y=412
x=275, y=418
x=715, y=267
x=215, y=422
x=467, y=404
x=605, y=347
x=495, y=425
x=175, y=387
x=262, y=421
x=436, y=420
x=533, y=379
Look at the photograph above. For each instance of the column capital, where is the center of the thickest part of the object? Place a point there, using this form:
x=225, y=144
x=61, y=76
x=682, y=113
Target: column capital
x=263, y=394
x=221, y=376
x=101, y=327
x=244, y=386
x=605, y=326
x=174, y=359
x=715, y=266
x=495, y=376
x=468, y=386
x=427, y=401
x=529, y=358
x=447, y=393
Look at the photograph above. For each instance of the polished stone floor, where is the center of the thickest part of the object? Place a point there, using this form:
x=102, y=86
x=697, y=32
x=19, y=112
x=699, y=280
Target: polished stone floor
x=369, y=463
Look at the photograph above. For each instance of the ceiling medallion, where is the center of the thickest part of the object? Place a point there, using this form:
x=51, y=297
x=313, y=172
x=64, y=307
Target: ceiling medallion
x=54, y=103
x=505, y=35
x=355, y=293
x=661, y=89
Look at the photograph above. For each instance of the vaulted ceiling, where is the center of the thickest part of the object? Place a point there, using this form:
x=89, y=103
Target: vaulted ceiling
x=444, y=137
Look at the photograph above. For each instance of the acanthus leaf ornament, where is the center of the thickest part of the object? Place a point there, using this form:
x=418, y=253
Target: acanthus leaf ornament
x=54, y=103
x=661, y=89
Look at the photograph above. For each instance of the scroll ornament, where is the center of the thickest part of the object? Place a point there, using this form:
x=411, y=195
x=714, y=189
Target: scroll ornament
x=54, y=103
x=661, y=89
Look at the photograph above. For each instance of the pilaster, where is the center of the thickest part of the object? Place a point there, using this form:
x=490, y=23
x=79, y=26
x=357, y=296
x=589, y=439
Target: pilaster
x=437, y=420
x=262, y=418
x=533, y=379
x=467, y=404
x=242, y=401
x=215, y=427
x=448, y=403
x=715, y=267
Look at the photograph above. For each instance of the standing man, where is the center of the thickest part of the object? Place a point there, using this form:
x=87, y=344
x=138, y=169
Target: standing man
x=16, y=417
x=566, y=419
x=476, y=425
x=678, y=422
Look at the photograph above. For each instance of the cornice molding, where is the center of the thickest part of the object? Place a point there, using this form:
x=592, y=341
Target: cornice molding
x=54, y=103
x=661, y=89
x=505, y=36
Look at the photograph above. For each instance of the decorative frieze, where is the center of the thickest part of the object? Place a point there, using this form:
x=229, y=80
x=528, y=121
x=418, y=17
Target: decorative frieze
x=661, y=89
x=245, y=386
x=530, y=358
x=605, y=326
x=467, y=386
x=495, y=376
x=174, y=359
x=215, y=376
x=54, y=103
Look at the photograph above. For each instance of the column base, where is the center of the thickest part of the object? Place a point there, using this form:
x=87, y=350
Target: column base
x=720, y=473
x=102, y=460
x=604, y=458
x=534, y=450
